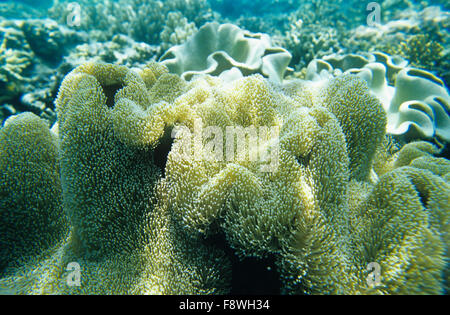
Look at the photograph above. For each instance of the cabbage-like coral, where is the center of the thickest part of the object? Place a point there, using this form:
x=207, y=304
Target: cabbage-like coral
x=254, y=170
x=417, y=103
x=229, y=52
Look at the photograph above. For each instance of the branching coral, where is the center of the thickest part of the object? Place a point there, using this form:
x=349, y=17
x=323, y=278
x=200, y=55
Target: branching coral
x=16, y=57
x=121, y=50
x=420, y=50
x=176, y=30
x=30, y=51
x=143, y=20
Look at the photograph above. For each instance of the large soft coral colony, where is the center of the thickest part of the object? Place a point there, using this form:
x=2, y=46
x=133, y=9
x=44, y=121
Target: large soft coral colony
x=143, y=210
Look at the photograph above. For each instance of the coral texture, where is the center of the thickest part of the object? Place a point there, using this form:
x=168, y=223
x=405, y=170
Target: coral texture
x=142, y=20
x=229, y=52
x=31, y=212
x=416, y=101
x=30, y=51
x=147, y=192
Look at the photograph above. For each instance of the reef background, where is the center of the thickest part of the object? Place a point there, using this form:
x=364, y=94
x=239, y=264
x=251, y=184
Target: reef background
x=38, y=47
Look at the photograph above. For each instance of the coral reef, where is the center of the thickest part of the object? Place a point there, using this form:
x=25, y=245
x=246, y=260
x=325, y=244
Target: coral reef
x=31, y=212
x=309, y=41
x=176, y=30
x=417, y=35
x=228, y=52
x=133, y=242
x=142, y=20
x=145, y=210
x=219, y=170
x=420, y=50
x=423, y=52
x=416, y=101
x=16, y=58
x=120, y=50
x=30, y=53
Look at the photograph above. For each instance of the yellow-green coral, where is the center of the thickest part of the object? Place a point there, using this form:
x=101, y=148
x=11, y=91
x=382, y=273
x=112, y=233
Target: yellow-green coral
x=362, y=119
x=121, y=232
x=301, y=212
x=31, y=214
x=94, y=155
x=145, y=210
x=403, y=226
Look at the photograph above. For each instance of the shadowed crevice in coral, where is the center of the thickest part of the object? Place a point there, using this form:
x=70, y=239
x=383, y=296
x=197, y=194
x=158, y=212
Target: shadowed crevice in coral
x=304, y=160
x=423, y=198
x=110, y=93
x=161, y=152
x=250, y=276
x=445, y=153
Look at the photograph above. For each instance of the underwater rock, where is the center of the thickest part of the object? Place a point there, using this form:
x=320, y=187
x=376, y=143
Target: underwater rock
x=228, y=52
x=417, y=102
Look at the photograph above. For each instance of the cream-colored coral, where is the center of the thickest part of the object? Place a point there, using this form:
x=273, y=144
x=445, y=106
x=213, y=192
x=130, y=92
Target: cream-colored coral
x=227, y=51
x=416, y=101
